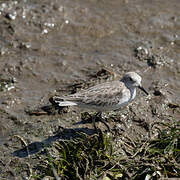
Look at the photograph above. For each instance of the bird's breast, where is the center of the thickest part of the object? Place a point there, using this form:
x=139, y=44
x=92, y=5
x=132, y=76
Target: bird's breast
x=133, y=94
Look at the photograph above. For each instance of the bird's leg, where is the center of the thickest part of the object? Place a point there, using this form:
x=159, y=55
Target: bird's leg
x=94, y=119
x=94, y=122
x=99, y=114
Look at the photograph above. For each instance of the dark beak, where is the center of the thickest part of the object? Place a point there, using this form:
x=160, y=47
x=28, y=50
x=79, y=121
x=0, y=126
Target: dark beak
x=140, y=87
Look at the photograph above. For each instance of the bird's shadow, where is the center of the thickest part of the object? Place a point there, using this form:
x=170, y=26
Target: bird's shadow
x=62, y=134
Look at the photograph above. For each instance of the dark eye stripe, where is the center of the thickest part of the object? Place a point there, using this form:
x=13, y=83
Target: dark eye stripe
x=130, y=79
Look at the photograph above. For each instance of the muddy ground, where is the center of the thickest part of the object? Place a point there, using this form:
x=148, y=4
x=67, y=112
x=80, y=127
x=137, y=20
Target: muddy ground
x=59, y=46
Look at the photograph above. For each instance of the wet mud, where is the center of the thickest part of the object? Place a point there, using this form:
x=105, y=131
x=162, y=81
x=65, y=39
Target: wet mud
x=58, y=47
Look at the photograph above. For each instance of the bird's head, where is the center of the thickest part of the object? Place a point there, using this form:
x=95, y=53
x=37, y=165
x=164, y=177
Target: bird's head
x=132, y=80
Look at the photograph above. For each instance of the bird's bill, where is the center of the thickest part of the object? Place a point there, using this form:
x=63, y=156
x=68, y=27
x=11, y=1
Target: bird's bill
x=141, y=88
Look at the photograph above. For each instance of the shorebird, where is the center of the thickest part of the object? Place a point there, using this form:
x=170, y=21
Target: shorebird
x=106, y=96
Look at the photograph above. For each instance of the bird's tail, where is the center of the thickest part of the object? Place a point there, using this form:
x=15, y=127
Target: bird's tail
x=61, y=102
x=66, y=103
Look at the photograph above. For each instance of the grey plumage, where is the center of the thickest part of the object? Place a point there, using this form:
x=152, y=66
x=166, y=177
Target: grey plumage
x=105, y=96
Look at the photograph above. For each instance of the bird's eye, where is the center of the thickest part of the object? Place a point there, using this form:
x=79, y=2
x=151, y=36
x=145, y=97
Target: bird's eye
x=130, y=79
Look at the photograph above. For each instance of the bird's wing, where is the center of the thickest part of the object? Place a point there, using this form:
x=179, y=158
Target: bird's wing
x=100, y=94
